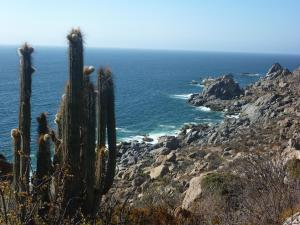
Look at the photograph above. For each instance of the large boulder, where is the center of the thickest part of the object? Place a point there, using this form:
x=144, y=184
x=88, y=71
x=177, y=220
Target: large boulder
x=224, y=88
x=193, y=192
x=159, y=171
x=170, y=142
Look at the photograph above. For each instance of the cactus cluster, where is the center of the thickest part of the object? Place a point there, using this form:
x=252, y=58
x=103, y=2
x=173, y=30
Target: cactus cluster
x=82, y=168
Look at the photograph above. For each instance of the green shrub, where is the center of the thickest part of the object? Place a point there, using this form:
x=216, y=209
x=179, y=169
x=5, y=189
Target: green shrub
x=293, y=168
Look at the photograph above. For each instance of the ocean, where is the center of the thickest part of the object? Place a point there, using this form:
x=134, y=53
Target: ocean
x=151, y=86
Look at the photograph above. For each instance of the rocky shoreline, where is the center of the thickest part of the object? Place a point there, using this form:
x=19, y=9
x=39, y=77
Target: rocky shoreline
x=262, y=117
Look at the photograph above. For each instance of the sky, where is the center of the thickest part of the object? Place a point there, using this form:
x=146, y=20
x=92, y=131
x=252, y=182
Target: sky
x=267, y=26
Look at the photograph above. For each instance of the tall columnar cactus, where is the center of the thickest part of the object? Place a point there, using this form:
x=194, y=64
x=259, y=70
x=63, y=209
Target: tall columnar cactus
x=88, y=139
x=73, y=122
x=44, y=163
x=26, y=71
x=106, y=160
x=109, y=106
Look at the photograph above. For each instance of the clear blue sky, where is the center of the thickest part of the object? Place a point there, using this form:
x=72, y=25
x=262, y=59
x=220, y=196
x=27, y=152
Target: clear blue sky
x=206, y=25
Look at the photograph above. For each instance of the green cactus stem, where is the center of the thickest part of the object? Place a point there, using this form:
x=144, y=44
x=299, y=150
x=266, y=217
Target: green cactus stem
x=44, y=163
x=88, y=140
x=72, y=123
x=26, y=71
x=111, y=134
x=105, y=165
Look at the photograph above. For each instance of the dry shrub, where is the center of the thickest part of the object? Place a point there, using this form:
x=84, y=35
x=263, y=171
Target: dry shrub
x=263, y=193
x=269, y=192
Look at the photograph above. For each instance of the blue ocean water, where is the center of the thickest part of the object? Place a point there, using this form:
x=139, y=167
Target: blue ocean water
x=151, y=86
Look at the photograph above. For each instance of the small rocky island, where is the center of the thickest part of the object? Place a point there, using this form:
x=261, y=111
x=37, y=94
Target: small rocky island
x=217, y=92
x=177, y=170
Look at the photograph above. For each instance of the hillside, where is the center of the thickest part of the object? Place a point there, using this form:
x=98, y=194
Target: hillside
x=253, y=150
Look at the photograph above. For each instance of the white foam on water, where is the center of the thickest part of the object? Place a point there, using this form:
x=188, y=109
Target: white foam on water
x=123, y=130
x=167, y=126
x=182, y=96
x=197, y=85
x=154, y=135
x=203, y=109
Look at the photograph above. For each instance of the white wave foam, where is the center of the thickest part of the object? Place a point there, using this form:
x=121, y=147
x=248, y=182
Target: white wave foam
x=153, y=135
x=123, y=130
x=203, y=109
x=182, y=96
x=197, y=85
x=190, y=123
x=167, y=126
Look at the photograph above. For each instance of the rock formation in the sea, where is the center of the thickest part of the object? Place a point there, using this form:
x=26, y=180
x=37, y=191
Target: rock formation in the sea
x=215, y=91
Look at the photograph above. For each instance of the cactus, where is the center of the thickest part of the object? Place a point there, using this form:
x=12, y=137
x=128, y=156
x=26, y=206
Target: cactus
x=88, y=140
x=85, y=171
x=15, y=134
x=26, y=71
x=105, y=166
x=44, y=163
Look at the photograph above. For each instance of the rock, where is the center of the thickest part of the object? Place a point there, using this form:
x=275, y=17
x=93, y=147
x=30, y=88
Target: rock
x=193, y=192
x=171, y=157
x=293, y=220
x=226, y=149
x=161, y=151
x=277, y=70
x=192, y=136
x=295, y=142
x=224, y=88
x=170, y=142
x=147, y=139
x=159, y=160
x=198, y=154
x=138, y=181
x=276, y=67
x=159, y=171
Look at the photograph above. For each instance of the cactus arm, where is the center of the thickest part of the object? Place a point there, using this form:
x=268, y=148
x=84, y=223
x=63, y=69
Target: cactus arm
x=111, y=135
x=88, y=141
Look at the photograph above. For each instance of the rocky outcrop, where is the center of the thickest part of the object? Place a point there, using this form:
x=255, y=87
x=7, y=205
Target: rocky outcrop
x=277, y=70
x=159, y=171
x=222, y=88
x=265, y=118
x=193, y=192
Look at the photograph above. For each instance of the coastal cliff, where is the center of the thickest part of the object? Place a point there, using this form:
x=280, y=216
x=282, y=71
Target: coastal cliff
x=261, y=122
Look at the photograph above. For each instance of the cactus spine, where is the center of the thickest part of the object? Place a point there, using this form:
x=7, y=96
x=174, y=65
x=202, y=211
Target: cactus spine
x=26, y=71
